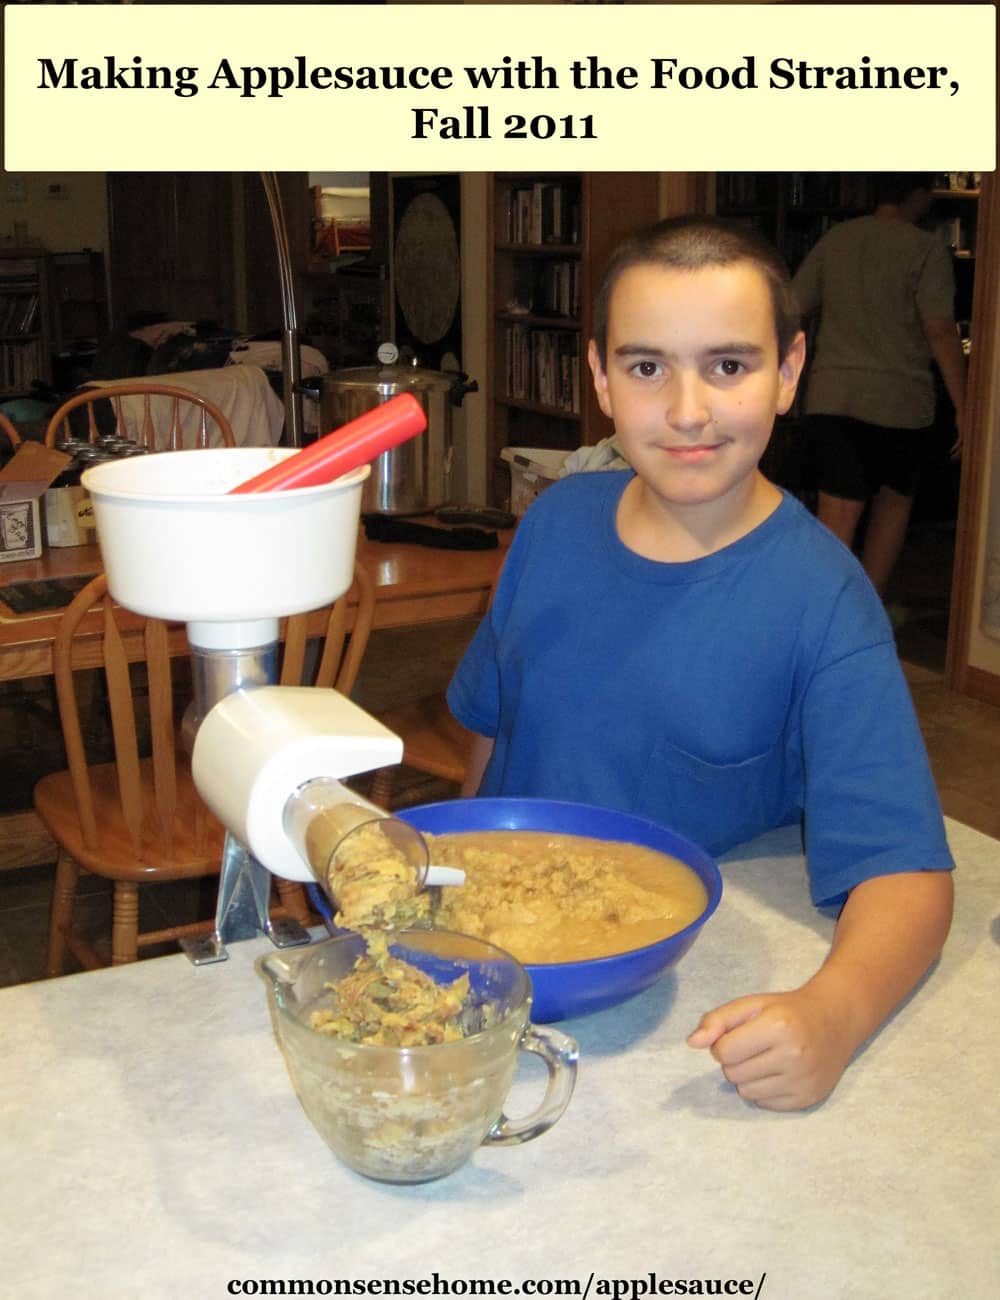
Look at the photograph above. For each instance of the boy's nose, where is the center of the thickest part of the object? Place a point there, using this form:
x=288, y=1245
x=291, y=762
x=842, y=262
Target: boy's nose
x=687, y=404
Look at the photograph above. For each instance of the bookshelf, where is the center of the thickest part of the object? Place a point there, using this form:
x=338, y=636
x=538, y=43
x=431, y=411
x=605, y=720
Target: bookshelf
x=955, y=212
x=550, y=237
x=794, y=209
x=24, y=321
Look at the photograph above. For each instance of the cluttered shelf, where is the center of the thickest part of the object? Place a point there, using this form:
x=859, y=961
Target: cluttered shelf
x=24, y=320
x=539, y=408
x=550, y=237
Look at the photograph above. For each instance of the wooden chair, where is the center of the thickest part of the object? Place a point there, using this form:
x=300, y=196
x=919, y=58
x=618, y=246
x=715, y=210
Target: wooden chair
x=433, y=741
x=140, y=820
x=161, y=426
x=12, y=435
x=340, y=662
x=32, y=697
x=337, y=666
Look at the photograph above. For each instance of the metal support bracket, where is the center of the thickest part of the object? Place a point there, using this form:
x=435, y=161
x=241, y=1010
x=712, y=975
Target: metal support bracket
x=242, y=911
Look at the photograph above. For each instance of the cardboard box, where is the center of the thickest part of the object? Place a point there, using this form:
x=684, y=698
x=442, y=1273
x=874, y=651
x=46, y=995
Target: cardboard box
x=532, y=469
x=24, y=478
x=68, y=515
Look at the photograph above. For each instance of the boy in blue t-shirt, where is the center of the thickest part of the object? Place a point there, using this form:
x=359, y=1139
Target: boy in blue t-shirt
x=684, y=641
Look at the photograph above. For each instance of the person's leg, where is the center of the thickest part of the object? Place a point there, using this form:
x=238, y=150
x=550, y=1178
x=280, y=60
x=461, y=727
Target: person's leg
x=901, y=455
x=886, y=533
x=841, y=447
x=840, y=515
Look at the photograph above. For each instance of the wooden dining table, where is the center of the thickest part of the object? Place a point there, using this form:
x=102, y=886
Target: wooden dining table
x=413, y=585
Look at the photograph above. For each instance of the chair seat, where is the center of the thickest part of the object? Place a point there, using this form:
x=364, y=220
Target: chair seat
x=433, y=741
x=198, y=836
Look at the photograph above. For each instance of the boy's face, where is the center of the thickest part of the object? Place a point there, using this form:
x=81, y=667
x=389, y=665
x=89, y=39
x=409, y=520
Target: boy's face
x=693, y=380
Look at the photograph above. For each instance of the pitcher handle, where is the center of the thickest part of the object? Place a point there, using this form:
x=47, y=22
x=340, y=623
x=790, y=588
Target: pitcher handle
x=560, y=1053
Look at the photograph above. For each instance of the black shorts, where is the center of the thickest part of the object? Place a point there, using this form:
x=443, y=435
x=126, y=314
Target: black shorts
x=853, y=459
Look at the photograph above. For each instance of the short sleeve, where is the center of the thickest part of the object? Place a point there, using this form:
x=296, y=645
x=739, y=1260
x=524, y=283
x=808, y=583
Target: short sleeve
x=871, y=807
x=936, y=286
x=474, y=692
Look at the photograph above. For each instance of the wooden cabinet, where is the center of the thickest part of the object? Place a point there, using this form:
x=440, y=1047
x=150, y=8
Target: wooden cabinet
x=550, y=238
x=24, y=321
x=79, y=301
x=171, y=238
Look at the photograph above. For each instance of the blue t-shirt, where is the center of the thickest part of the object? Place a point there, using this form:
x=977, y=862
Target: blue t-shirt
x=721, y=697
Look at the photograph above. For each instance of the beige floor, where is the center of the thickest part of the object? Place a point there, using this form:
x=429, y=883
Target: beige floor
x=962, y=736
x=963, y=741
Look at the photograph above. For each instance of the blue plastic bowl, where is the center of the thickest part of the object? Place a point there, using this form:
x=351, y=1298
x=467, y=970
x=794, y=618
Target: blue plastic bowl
x=563, y=990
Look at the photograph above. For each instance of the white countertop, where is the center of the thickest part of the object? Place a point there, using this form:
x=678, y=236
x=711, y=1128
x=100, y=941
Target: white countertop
x=154, y=1146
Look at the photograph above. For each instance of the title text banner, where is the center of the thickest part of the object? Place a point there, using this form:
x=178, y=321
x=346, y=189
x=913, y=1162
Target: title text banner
x=495, y=87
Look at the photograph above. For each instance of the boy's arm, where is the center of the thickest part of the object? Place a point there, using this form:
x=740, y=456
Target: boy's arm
x=786, y=1051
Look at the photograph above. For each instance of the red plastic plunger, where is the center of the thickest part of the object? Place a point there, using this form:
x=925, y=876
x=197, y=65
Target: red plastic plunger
x=356, y=443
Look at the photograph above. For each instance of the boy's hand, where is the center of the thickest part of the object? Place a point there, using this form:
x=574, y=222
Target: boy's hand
x=784, y=1051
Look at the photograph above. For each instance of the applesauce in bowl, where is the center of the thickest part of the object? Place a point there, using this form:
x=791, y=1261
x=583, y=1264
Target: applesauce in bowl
x=566, y=985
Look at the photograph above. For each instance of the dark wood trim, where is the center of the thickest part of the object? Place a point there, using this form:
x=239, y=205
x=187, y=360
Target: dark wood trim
x=979, y=419
x=981, y=685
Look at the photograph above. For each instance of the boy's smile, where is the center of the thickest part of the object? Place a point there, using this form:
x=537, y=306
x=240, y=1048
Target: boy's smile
x=693, y=383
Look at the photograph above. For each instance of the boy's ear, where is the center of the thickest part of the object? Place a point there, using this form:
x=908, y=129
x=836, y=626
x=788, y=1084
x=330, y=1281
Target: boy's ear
x=600, y=379
x=789, y=372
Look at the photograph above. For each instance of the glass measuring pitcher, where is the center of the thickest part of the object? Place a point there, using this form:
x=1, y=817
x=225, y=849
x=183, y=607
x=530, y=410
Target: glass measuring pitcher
x=412, y=1114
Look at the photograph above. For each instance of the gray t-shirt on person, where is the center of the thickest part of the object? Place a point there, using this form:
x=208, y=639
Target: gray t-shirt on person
x=873, y=281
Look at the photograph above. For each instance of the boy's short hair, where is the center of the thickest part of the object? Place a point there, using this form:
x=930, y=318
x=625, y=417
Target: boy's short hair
x=690, y=243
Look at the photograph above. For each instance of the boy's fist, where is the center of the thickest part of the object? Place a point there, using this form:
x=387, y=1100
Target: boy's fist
x=784, y=1051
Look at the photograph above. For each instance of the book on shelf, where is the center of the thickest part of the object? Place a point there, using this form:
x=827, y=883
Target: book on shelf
x=546, y=288
x=558, y=291
x=545, y=212
x=29, y=315
x=542, y=366
x=18, y=313
x=20, y=366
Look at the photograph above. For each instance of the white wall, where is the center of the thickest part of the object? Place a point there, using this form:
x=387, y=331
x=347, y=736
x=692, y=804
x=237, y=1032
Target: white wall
x=471, y=421
x=78, y=219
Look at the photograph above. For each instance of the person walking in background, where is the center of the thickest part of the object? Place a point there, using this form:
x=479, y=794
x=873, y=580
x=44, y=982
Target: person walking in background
x=884, y=292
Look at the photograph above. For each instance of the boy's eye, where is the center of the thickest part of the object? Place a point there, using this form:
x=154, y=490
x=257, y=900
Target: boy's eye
x=729, y=367
x=646, y=369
